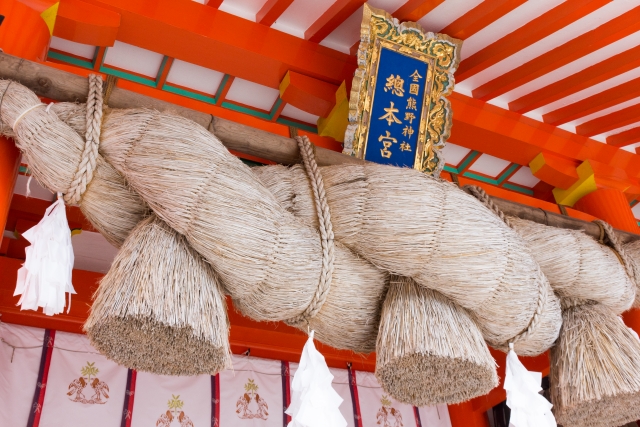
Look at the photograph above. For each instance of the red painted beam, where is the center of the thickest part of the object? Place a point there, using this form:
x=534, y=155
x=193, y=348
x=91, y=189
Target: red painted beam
x=271, y=11
x=612, y=31
x=479, y=17
x=590, y=76
x=9, y=165
x=625, y=138
x=213, y=3
x=413, y=10
x=329, y=20
x=534, y=31
x=610, y=122
x=86, y=23
x=245, y=49
x=519, y=139
x=595, y=103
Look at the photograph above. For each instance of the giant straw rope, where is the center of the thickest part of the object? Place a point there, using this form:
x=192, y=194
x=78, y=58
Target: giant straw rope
x=311, y=246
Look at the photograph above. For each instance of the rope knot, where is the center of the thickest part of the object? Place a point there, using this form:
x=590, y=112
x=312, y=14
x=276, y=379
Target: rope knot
x=326, y=232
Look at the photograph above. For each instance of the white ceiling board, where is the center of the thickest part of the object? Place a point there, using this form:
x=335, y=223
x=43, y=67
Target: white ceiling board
x=300, y=15
x=445, y=13
x=37, y=191
x=297, y=114
x=636, y=211
x=631, y=148
x=92, y=252
x=575, y=29
x=612, y=109
x=453, y=154
x=246, y=9
x=489, y=165
x=252, y=94
x=194, y=77
x=571, y=68
x=133, y=58
x=603, y=137
x=524, y=177
x=82, y=50
x=506, y=25
x=348, y=33
x=590, y=91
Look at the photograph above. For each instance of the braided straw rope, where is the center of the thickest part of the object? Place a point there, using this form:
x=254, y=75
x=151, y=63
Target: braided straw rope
x=325, y=228
x=87, y=166
x=484, y=198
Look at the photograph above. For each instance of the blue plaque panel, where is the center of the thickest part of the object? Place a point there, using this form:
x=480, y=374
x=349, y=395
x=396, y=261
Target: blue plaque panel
x=396, y=110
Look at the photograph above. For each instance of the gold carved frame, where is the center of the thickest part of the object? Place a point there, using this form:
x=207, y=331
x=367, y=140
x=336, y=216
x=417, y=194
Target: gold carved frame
x=439, y=51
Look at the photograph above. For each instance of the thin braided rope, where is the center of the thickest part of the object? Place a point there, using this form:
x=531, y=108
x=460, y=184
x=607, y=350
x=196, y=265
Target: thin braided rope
x=485, y=199
x=87, y=165
x=325, y=228
x=614, y=243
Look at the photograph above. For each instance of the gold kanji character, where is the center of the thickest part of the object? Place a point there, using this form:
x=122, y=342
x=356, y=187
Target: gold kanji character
x=415, y=76
x=387, y=140
x=405, y=147
x=395, y=85
x=411, y=104
x=407, y=131
x=409, y=116
x=414, y=88
x=390, y=116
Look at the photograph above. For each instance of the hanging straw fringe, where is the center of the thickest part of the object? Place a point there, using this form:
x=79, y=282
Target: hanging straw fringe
x=160, y=308
x=595, y=369
x=429, y=349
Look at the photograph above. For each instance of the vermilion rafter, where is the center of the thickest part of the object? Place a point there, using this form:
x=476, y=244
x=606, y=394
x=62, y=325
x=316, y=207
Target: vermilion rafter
x=610, y=32
x=271, y=11
x=610, y=67
x=627, y=137
x=413, y=10
x=214, y=3
x=479, y=17
x=595, y=103
x=610, y=122
x=329, y=21
x=535, y=30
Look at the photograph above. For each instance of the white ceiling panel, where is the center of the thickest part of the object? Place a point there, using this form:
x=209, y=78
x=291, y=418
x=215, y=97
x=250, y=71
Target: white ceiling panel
x=194, y=77
x=453, y=154
x=252, y=94
x=571, y=68
x=300, y=15
x=489, y=165
x=612, y=109
x=297, y=114
x=593, y=20
x=506, y=25
x=631, y=148
x=133, y=58
x=92, y=252
x=445, y=13
x=348, y=33
x=246, y=9
x=82, y=50
x=636, y=211
x=524, y=177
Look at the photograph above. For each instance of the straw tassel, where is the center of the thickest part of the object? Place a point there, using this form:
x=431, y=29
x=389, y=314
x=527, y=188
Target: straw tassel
x=528, y=407
x=314, y=402
x=45, y=276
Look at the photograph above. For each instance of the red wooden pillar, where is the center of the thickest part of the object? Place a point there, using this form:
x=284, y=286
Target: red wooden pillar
x=463, y=415
x=9, y=165
x=609, y=205
x=612, y=206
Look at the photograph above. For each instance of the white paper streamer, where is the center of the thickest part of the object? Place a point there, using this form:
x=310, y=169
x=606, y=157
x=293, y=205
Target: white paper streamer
x=528, y=407
x=45, y=275
x=314, y=402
